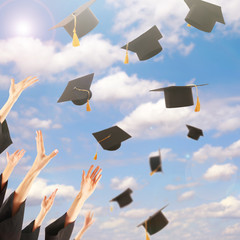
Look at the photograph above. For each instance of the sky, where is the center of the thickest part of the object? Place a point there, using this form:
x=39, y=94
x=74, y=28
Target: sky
x=200, y=179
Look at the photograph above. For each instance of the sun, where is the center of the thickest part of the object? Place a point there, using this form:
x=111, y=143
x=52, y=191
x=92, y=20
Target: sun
x=23, y=28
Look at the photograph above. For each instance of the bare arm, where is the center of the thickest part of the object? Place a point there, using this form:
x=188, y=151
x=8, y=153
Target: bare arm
x=88, y=185
x=12, y=161
x=14, y=93
x=45, y=208
x=87, y=223
x=40, y=162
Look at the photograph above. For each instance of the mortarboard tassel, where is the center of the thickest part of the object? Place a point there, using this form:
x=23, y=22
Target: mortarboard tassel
x=111, y=208
x=197, y=109
x=154, y=171
x=88, y=106
x=126, y=61
x=75, y=42
x=95, y=157
x=189, y=25
x=147, y=237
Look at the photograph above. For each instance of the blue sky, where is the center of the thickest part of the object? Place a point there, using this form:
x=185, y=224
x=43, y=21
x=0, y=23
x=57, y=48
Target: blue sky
x=201, y=178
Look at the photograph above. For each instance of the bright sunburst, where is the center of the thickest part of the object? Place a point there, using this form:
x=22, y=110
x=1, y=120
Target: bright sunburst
x=23, y=28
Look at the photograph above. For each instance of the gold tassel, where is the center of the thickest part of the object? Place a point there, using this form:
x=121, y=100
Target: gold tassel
x=147, y=237
x=154, y=171
x=189, y=25
x=111, y=208
x=126, y=61
x=197, y=109
x=88, y=106
x=95, y=157
x=75, y=42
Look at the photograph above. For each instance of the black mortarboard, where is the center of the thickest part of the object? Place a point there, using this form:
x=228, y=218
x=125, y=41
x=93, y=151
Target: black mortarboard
x=155, y=163
x=124, y=198
x=79, y=23
x=203, y=15
x=155, y=222
x=5, y=139
x=180, y=96
x=145, y=46
x=194, y=132
x=78, y=91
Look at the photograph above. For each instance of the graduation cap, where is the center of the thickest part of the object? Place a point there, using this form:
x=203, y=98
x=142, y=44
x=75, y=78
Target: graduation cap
x=180, y=96
x=194, y=132
x=155, y=164
x=124, y=198
x=154, y=223
x=79, y=23
x=203, y=15
x=78, y=91
x=110, y=139
x=5, y=139
x=145, y=46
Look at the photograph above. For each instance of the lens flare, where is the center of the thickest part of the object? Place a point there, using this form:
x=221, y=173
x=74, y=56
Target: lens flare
x=23, y=28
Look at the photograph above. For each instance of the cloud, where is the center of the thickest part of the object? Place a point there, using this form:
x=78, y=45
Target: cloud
x=153, y=120
x=41, y=188
x=232, y=230
x=123, y=184
x=112, y=223
x=171, y=187
x=220, y=172
x=39, y=124
x=137, y=213
x=47, y=58
x=186, y=196
x=217, y=153
x=128, y=87
x=5, y=82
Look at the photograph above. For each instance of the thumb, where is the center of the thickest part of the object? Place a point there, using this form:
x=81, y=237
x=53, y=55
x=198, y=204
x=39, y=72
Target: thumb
x=12, y=81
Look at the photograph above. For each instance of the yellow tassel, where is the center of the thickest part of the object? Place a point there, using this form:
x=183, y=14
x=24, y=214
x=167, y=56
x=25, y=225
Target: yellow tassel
x=189, y=25
x=197, y=109
x=154, y=171
x=95, y=157
x=147, y=237
x=111, y=208
x=88, y=106
x=126, y=61
x=75, y=42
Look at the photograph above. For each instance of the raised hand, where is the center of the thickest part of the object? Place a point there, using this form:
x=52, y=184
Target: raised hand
x=45, y=207
x=88, y=220
x=14, y=158
x=16, y=89
x=90, y=181
x=42, y=159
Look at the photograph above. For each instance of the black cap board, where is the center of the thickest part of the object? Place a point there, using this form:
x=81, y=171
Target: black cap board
x=194, y=132
x=203, y=15
x=111, y=138
x=85, y=21
x=5, y=139
x=124, y=198
x=155, y=223
x=78, y=90
x=146, y=45
x=155, y=163
x=178, y=96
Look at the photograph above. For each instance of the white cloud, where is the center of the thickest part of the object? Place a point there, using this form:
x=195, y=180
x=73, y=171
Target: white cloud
x=46, y=58
x=171, y=187
x=138, y=213
x=112, y=223
x=123, y=184
x=232, y=230
x=220, y=172
x=39, y=124
x=186, y=196
x=217, y=153
x=40, y=189
x=166, y=154
x=154, y=120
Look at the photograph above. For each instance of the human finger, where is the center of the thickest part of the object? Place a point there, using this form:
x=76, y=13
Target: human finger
x=94, y=172
x=89, y=171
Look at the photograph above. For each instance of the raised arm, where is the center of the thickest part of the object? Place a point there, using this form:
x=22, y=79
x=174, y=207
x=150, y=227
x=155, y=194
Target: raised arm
x=88, y=186
x=14, y=93
x=40, y=162
x=87, y=223
x=12, y=161
x=45, y=208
